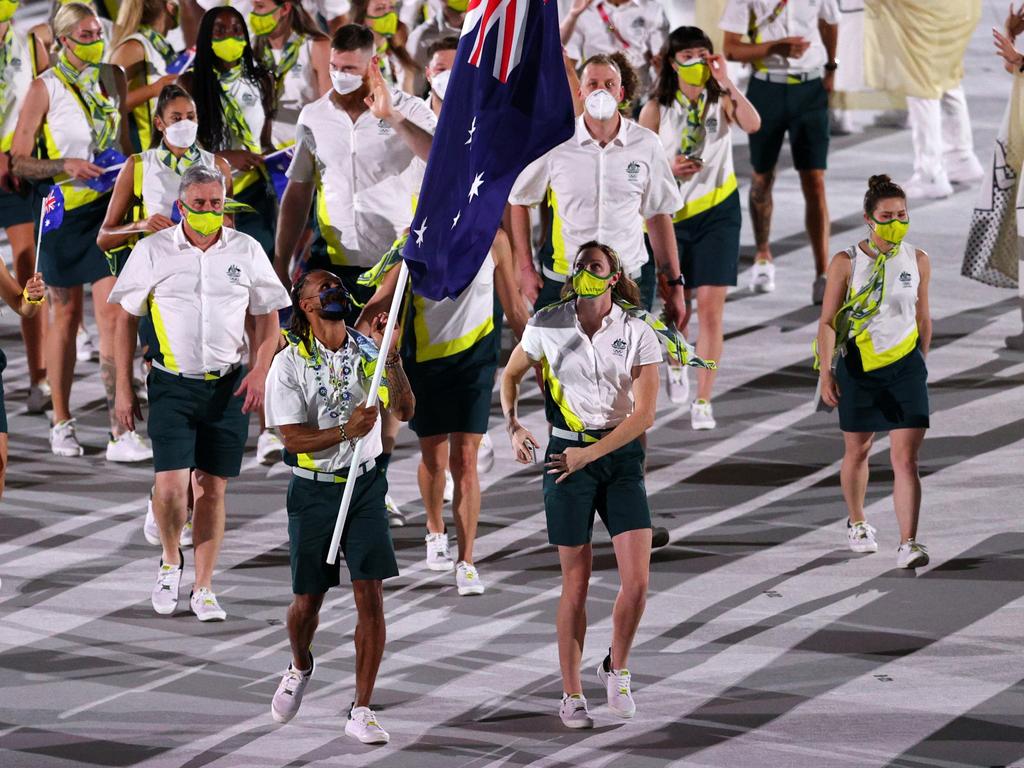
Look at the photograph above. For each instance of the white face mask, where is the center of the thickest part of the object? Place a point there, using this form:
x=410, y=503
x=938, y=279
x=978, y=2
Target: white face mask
x=182, y=133
x=601, y=105
x=345, y=83
x=208, y=4
x=439, y=83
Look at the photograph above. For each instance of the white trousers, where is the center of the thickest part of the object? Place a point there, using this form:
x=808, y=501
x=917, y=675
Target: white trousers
x=941, y=133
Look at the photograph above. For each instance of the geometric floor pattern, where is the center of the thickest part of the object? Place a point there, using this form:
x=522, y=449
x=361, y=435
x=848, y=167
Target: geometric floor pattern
x=765, y=642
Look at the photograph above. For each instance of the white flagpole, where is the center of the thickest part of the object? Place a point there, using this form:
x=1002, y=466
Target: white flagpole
x=39, y=237
x=378, y=372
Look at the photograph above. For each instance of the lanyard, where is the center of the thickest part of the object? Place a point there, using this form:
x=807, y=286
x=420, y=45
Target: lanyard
x=615, y=30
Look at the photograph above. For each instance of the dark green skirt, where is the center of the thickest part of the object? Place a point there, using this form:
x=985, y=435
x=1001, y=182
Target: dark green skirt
x=69, y=256
x=892, y=397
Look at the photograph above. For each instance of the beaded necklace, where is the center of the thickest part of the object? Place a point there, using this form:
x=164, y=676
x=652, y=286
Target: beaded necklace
x=335, y=391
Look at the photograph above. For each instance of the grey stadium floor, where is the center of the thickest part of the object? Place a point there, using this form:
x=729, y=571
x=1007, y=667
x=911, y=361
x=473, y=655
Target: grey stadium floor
x=765, y=642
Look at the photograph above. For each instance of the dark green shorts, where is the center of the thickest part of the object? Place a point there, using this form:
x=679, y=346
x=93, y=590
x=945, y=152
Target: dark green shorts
x=15, y=208
x=69, y=256
x=3, y=405
x=197, y=424
x=892, y=397
x=799, y=109
x=365, y=540
x=612, y=486
x=709, y=244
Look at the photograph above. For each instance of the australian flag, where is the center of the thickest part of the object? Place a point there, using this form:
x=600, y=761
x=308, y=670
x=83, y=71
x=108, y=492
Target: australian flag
x=507, y=103
x=52, y=212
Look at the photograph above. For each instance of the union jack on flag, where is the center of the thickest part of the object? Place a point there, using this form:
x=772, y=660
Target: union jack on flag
x=52, y=211
x=507, y=103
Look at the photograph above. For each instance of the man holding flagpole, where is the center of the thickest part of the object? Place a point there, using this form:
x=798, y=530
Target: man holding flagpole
x=317, y=399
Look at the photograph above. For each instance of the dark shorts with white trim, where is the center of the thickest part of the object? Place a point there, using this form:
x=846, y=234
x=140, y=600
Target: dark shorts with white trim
x=197, y=424
x=365, y=540
x=892, y=397
x=613, y=487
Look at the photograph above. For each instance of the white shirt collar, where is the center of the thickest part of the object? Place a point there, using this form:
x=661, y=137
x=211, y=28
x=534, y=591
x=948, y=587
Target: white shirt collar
x=583, y=136
x=182, y=242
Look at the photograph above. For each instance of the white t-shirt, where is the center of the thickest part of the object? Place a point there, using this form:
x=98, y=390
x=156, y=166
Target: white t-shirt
x=590, y=380
x=799, y=18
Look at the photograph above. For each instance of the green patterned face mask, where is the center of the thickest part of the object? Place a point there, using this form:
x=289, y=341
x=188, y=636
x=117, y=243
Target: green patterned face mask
x=891, y=231
x=263, y=23
x=589, y=285
x=204, y=223
x=90, y=53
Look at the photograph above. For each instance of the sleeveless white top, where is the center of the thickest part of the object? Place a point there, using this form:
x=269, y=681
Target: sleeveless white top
x=450, y=326
x=717, y=179
x=891, y=333
x=18, y=76
x=299, y=89
x=155, y=67
x=160, y=183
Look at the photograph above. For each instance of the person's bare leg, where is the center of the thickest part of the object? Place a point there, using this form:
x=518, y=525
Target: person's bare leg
x=905, y=446
x=66, y=306
x=633, y=558
x=389, y=426
x=853, y=474
x=761, y=207
x=371, y=634
x=303, y=618
x=3, y=462
x=710, y=307
x=816, y=218
x=207, y=525
x=170, y=494
x=106, y=321
x=464, y=448
x=430, y=474
x=571, y=619
x=33, y=329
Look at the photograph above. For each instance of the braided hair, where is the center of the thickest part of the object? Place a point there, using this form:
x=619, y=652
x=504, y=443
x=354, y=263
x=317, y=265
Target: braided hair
x=299, y=323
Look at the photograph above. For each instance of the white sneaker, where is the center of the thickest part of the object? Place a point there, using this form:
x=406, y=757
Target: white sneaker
x=911, y=555
x=677, y=383
x=129, y=448
x=439, y=557
x=269, y=448
x=288, y=696
x=165, y=593
x=966, y=170
x=934, y=188
x=762, y=277
x=205, y=606
x=616, y=684
x=39, y=397
x=84, y=349
x=395, y=517
x=362, y=724
x=449, y=487
x=485, y=457
x=861, y=537
x=574, y=712
x=467, y=579
x=701, y=416
x=63, y=441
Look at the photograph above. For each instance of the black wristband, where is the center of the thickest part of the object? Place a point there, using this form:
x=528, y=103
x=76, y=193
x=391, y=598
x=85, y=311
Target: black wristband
x=832, y=66
x=676, y=281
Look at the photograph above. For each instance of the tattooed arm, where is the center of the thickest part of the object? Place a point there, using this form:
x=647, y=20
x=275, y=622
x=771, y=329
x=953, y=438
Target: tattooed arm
x=30, y=122
x=401, y=401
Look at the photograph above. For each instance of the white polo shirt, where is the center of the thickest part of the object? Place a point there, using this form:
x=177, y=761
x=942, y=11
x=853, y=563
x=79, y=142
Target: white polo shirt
x=198, y=300
x=642, y=24
x=799, y=18
x=601, y=193
x=293, y=396
x=363, y=199
x=589, y=380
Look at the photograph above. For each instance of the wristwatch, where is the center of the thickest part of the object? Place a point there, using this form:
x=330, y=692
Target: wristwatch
x=676, y=281
x=832, y=66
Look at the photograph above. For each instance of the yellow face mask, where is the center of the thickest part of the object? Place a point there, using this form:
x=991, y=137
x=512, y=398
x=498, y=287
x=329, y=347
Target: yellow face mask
x=892, y=231
x=7, y=9
x=263, y=23
x=589, y=285
x=229, y=49
x=385, y=25
x=459, y=6
x=204, y=223
x=694, y=72
x=90, y=53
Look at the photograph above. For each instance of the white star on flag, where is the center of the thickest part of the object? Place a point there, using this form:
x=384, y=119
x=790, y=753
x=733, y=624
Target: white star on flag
x=456, y=219
x=478, y=180
x=419, y=232
x=472, y=130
